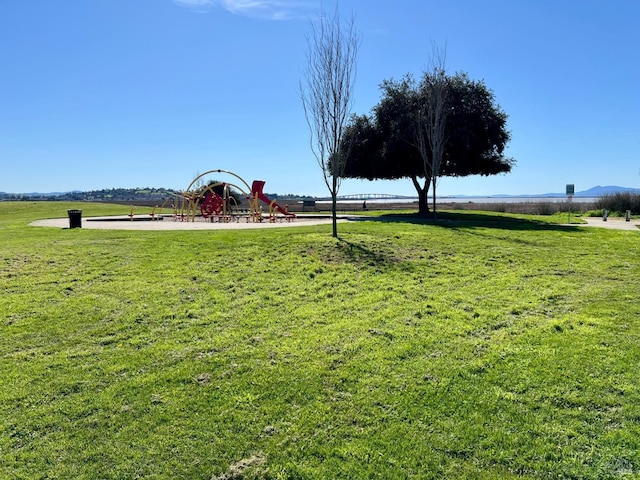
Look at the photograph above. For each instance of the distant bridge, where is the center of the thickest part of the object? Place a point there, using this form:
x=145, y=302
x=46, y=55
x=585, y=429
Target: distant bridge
x=370, y=196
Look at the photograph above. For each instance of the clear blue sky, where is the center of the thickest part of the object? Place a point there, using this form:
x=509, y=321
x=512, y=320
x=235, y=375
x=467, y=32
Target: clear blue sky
x=132, y=93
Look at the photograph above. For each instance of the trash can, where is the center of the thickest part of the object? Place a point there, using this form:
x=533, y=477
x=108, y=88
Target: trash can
x=628, y=216
x=75, y=218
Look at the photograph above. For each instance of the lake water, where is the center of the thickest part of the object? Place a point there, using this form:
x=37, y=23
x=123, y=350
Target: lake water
x=474, y=200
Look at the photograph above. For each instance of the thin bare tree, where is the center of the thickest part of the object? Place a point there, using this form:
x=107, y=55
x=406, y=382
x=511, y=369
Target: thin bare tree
x=431, y=118
x=326, y=91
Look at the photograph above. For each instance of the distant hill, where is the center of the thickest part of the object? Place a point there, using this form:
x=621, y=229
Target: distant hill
x=599, y=191
x=115, y=195
x=161, y=194
x=105, y=195
x=596, y=191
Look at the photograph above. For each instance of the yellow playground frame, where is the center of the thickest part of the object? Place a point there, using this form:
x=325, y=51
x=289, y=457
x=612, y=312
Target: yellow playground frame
x=199, y=201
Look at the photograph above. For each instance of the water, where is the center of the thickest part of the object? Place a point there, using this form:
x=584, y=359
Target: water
x=441, y=200
x=514, y=200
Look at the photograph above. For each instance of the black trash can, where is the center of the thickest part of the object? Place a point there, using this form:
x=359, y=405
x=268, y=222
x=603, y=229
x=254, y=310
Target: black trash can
x=75, y=218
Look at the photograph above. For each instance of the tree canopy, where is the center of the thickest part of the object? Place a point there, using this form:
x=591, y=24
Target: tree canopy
x=383, y=145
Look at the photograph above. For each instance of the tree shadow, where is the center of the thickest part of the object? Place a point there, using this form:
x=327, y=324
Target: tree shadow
x=360, y=255
x=472, y=220
x=474, y=223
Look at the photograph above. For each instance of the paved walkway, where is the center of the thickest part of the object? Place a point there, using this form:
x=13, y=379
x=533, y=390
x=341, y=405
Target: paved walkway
x=124, y=223
x=612, y=223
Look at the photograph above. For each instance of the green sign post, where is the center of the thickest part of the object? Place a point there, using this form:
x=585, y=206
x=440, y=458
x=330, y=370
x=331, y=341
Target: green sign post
x=570, y=192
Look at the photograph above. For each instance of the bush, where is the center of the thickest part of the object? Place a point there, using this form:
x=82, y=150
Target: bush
x=620, y=202
x=547, y=208
x=594, y=213
x=500, y=207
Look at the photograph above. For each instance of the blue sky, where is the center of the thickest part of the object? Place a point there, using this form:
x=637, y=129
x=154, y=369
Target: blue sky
x=132, y=93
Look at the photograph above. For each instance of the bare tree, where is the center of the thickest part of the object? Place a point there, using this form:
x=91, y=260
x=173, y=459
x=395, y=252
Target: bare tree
x=326, y=91
x=431, y=119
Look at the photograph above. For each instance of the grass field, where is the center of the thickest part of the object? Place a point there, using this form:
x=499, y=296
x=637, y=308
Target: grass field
x=486, y=346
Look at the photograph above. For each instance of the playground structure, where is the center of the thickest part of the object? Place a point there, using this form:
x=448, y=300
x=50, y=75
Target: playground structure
x=216, y=202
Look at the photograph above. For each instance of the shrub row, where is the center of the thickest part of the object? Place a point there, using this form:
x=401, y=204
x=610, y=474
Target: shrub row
x=531, y=208
x=620, y=202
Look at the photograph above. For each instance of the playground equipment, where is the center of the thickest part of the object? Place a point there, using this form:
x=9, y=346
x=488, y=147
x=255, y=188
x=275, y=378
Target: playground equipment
x=216, y=201
x=274, y=208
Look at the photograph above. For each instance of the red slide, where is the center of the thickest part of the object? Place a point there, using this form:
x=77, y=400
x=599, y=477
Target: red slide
x=256, y=188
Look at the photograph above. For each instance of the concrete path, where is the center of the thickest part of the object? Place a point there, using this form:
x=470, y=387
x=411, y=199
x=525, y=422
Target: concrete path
x=612, y=223
x=124, y=223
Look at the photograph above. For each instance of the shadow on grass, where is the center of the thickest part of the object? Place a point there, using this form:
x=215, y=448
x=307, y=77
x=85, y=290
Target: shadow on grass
x=359, y=254
x=463, y=220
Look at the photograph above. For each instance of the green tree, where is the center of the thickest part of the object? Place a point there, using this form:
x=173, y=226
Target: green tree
x=387, y=144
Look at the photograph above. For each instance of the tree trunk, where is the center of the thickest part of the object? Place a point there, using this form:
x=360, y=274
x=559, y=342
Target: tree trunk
x=435, y=216
x=423, y=195
x=334, y=207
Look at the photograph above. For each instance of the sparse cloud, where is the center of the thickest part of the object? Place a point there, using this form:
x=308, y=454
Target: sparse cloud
x=267, y=9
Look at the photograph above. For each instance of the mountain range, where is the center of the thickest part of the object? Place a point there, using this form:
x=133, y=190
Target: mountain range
x=597, y=191
x=134, y=193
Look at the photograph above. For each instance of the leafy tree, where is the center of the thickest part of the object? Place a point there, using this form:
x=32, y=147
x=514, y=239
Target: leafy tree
x=430, y=127
x=387, y=145
x=218, y=188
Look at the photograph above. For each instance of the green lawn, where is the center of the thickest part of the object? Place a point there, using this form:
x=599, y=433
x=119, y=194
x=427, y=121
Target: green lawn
x=486, y=346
